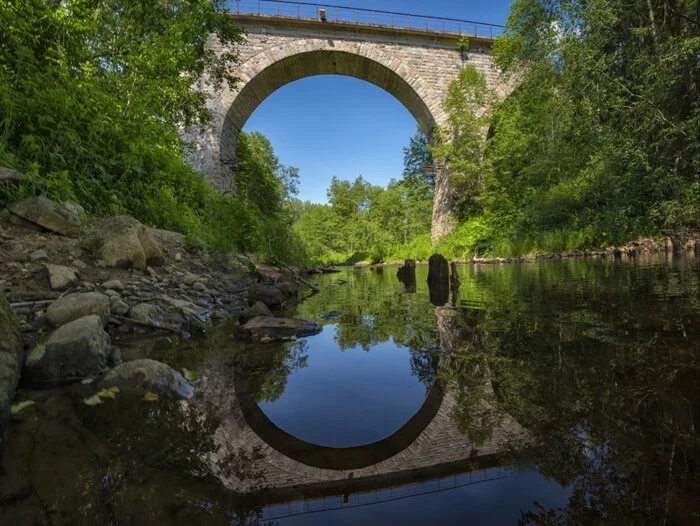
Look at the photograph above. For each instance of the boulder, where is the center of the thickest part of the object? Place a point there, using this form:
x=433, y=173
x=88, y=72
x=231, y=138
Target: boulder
x=126, y=243
x=60, y=277
x=11, y=357
x=171, y=313
x=77, y=350
x=266, y=328
x=141, y=376
x=74, y=306
x=267, y=294
x=47, y=214
x=258, y=309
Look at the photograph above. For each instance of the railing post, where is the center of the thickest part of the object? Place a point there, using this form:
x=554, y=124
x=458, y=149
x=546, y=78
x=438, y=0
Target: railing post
x=491, y=31
x=392, y=20
x=409, y=21
x=258, y=7
x=475, y=34
x=278, y=8
x=459, y=28
x=443, y=25
x=298, y=11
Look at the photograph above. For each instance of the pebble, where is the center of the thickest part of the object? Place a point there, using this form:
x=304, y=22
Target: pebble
x=113, y=284
x=189, y=279
x=39, y=255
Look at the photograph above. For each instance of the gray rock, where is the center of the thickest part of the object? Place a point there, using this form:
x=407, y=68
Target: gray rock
x=111, y=293
x=265, y=328
x=288, y=288
x=11, y=357
x=113, y=284
x=47, y=214
x=18, y=221
x=119, y=307
x=77, y=350
x=178, y=256
x=258, y=309
x=74, y=306
x=189, y=279
x=126, y=243
x=199, y=286
x=39, y=255
x=79, y=264
x=60, y=277
x=268, y=294
x=74, y=207
x=145, y=312
x=142, y=376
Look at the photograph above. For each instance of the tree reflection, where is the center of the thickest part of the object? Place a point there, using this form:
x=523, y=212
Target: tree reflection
x=605, y=383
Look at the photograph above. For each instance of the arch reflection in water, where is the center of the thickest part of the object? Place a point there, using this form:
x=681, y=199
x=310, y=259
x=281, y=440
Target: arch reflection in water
x=348, y=409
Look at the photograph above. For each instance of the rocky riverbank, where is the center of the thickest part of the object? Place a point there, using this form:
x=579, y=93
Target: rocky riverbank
x=80, y=290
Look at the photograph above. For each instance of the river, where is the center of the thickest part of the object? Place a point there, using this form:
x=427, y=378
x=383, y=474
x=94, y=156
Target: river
x=558, y=392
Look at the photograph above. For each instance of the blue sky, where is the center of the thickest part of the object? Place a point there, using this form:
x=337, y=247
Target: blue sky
x=334, y=125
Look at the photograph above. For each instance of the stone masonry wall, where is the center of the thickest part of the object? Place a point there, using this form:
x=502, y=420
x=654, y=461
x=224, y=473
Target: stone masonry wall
x=417, y=68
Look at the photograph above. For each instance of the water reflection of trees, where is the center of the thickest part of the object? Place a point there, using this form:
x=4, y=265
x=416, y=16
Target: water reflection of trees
x=603, y=376
x=267, y=367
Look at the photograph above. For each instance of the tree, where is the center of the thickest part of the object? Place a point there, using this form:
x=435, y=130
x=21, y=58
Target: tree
x=93, y=96
x=460, y=146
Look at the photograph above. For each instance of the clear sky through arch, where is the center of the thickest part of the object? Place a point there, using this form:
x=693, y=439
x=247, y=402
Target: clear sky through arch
x=331, y=125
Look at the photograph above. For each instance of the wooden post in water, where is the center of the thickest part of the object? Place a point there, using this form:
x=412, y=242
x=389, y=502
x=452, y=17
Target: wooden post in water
x=407, y=275
x=438, y=280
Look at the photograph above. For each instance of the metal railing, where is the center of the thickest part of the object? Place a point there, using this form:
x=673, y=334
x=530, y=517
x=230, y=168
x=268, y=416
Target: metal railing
x=388, y=494
x=367, y=17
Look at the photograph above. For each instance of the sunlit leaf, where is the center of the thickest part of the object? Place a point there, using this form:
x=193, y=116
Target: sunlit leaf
x=150, y=397
x=19, y=406
x=190, y=376
x=93, y=400
x=108, y=393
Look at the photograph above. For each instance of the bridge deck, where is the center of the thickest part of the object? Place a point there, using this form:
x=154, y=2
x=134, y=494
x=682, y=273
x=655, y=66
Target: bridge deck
x=350, y=17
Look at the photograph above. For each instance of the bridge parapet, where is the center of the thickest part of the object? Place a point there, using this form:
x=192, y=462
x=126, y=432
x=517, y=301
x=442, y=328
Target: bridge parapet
x=339, y=15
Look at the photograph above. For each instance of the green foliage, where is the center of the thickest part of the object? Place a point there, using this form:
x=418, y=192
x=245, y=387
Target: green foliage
x=460, y=146
x=367, y=222
x=93, y=100
x=599, y=143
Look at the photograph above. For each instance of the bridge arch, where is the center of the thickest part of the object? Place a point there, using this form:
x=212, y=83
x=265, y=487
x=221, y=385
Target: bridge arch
x=273, y=68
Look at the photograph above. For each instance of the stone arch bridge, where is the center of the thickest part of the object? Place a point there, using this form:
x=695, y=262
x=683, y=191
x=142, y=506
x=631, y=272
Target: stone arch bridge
x=413, y=58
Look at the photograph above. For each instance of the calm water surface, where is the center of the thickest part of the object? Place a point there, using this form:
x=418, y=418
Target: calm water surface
x=552, y=393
